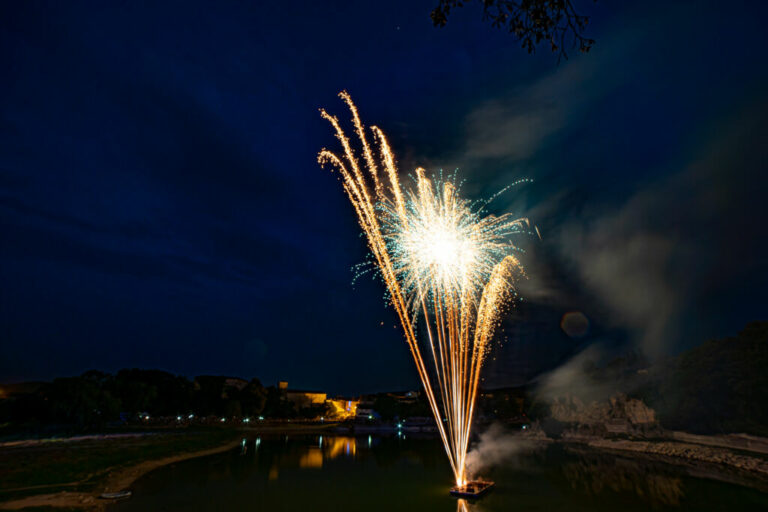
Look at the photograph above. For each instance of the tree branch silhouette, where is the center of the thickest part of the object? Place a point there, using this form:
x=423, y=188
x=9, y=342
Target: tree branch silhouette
x=555, y=22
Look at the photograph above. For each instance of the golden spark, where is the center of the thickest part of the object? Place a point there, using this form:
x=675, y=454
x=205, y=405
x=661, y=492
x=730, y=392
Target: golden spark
x=443, y=261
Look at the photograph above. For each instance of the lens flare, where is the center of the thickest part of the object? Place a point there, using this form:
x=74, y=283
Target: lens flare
x=446, y=265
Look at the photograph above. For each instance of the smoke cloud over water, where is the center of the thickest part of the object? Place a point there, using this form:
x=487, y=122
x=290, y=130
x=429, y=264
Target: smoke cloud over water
x=496, y=446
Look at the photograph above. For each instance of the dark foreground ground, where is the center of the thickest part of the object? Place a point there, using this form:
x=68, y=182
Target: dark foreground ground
x=74, y=471
x=69, y=473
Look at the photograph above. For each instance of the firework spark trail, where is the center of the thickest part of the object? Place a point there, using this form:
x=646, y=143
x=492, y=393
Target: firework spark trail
x=441, y=261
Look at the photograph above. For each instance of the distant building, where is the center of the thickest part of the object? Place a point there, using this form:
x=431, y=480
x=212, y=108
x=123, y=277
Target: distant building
x=304, y=398
x=365, y=410
x=301, y=398
x=405, y=397
x=339, y=408
x=366, y=413
x=343, y=408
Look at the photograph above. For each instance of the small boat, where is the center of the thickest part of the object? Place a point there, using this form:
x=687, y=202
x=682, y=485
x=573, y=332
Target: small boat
x=472, y=489
x=115, y=495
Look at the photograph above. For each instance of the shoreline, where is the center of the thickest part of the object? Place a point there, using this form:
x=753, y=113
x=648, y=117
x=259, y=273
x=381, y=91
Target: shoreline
x=707, y=452
x=705, y=459
x=120, y=480
x=687, y=452
x=681, y=452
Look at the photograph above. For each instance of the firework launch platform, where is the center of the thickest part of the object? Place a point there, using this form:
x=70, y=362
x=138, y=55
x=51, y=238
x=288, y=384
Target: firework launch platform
x=472, y=490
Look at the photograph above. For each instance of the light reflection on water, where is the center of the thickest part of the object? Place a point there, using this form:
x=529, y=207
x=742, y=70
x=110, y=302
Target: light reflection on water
x=312, y=456
x=463, y=505
x=338, y=472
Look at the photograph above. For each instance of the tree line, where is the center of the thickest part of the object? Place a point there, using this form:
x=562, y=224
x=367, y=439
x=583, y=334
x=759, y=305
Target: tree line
x=720, y=386
x=97, y=398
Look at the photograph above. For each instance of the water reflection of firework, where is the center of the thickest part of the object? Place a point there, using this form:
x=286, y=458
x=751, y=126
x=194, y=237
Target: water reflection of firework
x=442, y=260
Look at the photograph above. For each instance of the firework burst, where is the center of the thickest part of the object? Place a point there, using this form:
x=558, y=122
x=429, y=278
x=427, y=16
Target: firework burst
x=447, y=266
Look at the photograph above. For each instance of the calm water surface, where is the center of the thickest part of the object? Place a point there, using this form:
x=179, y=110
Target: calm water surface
x=404, y=473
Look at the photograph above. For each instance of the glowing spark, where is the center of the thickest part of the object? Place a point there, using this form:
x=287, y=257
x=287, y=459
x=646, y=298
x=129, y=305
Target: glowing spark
x=442, y=261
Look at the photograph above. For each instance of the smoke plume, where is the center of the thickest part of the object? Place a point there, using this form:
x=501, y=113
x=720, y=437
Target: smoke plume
x=496, y=446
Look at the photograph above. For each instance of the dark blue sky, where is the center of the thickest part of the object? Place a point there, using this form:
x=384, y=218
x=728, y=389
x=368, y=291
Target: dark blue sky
x=160, y=203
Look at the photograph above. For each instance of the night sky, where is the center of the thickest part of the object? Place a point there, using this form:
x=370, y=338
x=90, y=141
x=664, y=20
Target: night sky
x=161, y=205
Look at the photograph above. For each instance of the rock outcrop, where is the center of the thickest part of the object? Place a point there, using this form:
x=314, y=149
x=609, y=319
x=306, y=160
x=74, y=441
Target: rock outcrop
x=618, y=415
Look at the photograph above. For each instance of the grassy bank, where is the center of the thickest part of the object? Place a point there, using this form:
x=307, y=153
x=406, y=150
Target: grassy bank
x=84, y=466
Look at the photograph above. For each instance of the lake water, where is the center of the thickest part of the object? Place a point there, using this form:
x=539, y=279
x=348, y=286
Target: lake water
x=407, y=473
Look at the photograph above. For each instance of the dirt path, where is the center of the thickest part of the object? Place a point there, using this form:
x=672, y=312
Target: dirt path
x=117, y=481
